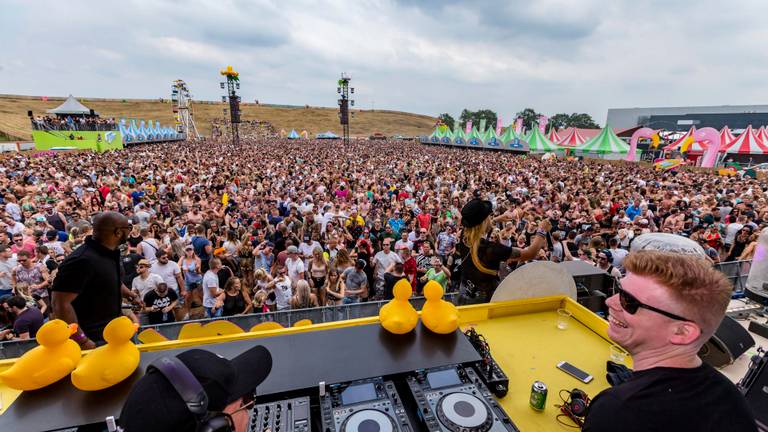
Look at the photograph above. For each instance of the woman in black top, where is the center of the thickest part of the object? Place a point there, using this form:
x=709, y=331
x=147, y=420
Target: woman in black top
x=236, y=299
x=481, y=258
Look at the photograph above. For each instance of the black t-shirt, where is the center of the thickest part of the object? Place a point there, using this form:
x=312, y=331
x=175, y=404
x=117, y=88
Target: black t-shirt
x=491, y=255
x=129, y=267
x=94, y=273
x=28, y=321
x=152, y=298
x=389, y=283
x=671, y=399
x=233, y=304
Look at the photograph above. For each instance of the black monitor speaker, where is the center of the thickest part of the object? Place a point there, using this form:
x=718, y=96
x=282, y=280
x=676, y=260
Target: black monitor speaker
x=29, y=113
x=92, y=112
x=729, y=342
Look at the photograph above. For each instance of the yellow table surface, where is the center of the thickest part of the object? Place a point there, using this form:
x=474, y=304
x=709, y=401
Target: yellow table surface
x=524, y=340
x=528, y=347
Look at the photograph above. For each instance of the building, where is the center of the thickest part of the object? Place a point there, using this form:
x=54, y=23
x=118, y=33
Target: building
x=682, y=118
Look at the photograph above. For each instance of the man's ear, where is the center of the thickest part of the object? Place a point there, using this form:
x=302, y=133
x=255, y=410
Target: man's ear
x=685, y=333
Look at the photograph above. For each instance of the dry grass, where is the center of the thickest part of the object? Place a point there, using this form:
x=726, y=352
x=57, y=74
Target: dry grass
x=13, y=116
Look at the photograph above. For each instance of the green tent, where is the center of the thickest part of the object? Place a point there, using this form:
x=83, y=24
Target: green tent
x=491, y=139
x=459, y=136
x=606, y=144
x=539, y=143
x=509, y=135
x=475, y=137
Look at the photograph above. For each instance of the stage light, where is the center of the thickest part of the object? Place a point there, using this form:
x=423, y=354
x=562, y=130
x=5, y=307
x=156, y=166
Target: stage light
x=222, y=85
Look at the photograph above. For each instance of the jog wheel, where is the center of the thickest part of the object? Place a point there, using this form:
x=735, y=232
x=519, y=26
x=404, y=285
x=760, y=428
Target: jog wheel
x=464, y=412
x=368, y=420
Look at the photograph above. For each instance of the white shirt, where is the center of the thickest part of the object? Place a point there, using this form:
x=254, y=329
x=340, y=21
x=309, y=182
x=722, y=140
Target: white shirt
x=168, y=272
x=143, y=286
x=295, y=268
x=385, y=260
x=210, y=279
x=731, y=230
x=618, y=257
x=283, y=294
x=149, y=249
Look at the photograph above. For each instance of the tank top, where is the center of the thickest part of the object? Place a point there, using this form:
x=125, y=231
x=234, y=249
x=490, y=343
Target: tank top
x=319, y=271
x=191, y=275
x=233, y=304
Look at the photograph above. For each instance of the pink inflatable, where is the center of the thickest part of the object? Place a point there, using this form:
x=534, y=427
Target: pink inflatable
x=713, y=137
x=640, y=133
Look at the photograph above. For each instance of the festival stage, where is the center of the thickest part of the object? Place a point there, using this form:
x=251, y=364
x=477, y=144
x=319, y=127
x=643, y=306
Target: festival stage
x=522, y=334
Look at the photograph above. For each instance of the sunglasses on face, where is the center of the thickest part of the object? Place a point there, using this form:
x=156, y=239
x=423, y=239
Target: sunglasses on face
x=631, y=304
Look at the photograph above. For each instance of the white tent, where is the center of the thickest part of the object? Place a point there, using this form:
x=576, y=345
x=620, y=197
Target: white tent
x=71, y=106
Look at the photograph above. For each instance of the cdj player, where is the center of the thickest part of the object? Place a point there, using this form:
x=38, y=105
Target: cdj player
x=454, y=399
x=363, y=406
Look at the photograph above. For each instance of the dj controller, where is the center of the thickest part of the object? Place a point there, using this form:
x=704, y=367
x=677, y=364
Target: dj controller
x=443, y=399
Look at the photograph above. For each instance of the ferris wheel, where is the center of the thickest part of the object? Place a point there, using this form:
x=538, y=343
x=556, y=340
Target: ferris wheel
x=182, y=110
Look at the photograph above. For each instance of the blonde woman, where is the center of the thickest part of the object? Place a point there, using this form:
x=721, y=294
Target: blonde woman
x=481, y=258
x=333, y=289
x=318, y=271
x=303, y=299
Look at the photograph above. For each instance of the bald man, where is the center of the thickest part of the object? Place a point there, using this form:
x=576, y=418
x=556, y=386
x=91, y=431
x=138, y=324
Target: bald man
x=88, y=288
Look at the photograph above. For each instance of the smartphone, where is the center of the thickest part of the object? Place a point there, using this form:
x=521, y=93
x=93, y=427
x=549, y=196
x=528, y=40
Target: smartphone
x=574, y=372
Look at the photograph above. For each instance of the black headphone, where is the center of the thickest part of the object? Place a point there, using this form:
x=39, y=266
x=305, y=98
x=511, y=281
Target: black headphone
x=574, y=407
x=192, y=393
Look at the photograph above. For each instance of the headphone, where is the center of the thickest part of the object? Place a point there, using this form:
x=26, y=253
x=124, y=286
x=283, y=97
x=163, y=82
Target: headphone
x=192, y=393
x=574, y=407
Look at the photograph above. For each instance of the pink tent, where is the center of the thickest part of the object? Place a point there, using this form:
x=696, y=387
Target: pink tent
x=726, y=136
x=746, y=143
x=572, y=139
x=553, y=136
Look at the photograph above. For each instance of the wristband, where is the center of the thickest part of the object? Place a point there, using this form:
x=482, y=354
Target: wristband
x=79, y=337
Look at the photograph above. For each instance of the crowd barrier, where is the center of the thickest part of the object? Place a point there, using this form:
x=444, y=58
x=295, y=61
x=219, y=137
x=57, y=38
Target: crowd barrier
x=736, y=272
x=13, y=349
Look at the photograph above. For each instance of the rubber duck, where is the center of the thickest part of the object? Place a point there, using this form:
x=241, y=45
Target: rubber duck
x=107, y=365
x=54, y=359
x=437, y=314
x=398, y=316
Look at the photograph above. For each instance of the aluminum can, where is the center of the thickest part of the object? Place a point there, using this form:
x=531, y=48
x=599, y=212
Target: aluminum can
x=538, y=395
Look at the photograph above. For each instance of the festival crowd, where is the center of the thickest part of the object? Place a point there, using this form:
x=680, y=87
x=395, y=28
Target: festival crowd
x=272, y=225
x=77, y=123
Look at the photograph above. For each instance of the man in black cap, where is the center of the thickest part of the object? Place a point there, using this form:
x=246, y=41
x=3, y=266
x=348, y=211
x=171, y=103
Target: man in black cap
x=194, y=388
x=480, y=258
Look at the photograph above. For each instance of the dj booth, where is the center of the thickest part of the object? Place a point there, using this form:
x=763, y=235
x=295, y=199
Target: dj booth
x=344, y=375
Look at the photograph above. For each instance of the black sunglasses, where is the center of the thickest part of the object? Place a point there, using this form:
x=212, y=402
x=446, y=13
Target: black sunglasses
x=630, y=304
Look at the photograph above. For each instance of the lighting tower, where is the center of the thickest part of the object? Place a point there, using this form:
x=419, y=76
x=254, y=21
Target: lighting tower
x=345, y=102
x=182, y=110
x=231, y=84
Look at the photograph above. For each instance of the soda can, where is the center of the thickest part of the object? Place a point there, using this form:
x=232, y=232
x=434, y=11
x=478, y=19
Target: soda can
x=538, y=395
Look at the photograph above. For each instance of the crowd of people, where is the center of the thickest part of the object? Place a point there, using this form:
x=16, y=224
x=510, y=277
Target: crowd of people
x=269, y=225
x=76, y=123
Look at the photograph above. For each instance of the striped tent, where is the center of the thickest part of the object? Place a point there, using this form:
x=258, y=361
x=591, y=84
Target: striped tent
x=606, y=144
x=573, y=138
x=746, y=143
x=539, y=143
x=553, y=136
x=695, y=147
x=761, y=135
x=726, y=136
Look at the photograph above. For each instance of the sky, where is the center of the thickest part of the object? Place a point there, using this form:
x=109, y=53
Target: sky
x=427, y=56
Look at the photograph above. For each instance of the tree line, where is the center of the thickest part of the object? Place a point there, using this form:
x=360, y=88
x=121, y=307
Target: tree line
x=529, y=116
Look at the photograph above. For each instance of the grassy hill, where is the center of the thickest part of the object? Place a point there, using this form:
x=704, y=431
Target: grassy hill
x=14, y=121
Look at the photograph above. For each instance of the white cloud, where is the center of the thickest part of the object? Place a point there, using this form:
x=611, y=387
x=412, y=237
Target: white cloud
x=427, y=56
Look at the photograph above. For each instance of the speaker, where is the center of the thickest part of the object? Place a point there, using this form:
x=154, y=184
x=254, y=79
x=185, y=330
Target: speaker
x=29, y=113
x=93, y=113
x=729, y=342
x=754, y=385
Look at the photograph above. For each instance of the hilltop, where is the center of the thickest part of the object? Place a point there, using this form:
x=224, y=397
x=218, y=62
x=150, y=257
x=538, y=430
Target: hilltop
x=14, y=121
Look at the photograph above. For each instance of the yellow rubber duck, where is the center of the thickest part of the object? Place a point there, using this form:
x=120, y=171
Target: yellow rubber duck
x=398, y=316
x=109, y=364
x=437, y=314
x=54, y=359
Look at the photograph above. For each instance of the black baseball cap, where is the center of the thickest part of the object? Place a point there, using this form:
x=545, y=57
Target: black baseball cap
x=474, y=212
x=154, y=404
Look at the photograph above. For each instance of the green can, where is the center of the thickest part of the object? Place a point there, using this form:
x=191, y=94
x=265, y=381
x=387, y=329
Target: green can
x=538, y=395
